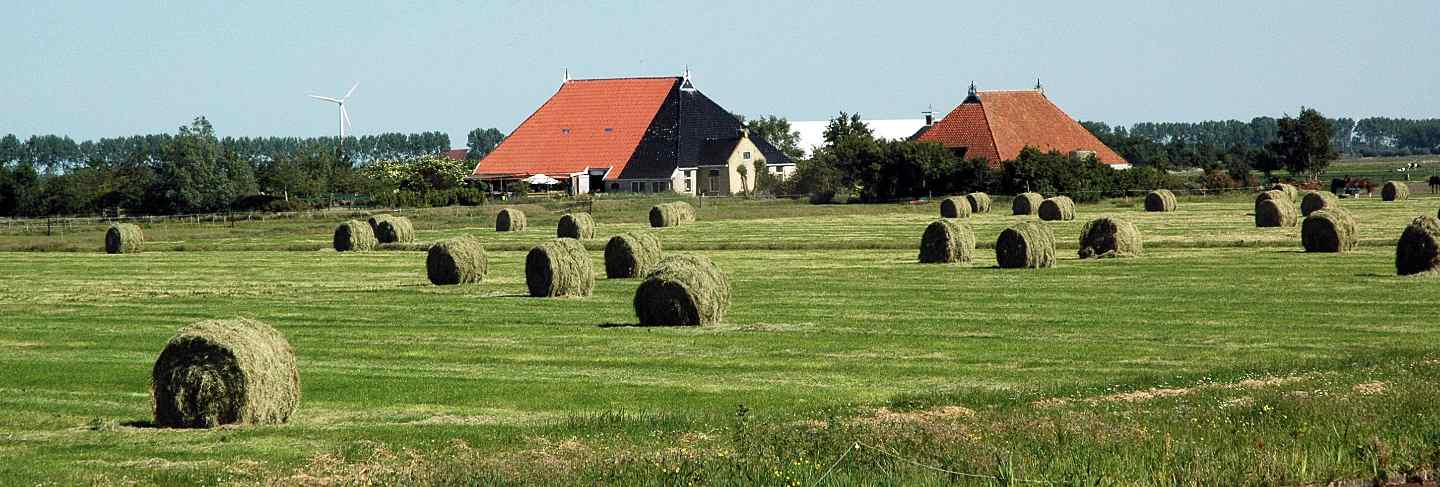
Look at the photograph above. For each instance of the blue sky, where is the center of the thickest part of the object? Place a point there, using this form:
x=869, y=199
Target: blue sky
x=94, y=69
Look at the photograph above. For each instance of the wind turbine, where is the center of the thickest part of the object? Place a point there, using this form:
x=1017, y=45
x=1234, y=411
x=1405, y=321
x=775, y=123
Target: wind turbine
x=344, y=115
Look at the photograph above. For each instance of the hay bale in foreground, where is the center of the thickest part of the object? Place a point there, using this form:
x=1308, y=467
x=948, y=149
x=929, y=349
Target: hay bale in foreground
x=954, y=207
x=632, y=254
x=1275, y=213
x=685, y=290
x=223, y=372
x=1026, y=203
x=1058, y=208
x=946, y=241
x=1291, y=192
x=1316, y=201
x=124, y=238
x=1329, y=230
x=1395, y=191
x=1160, y=200
x=560, y=267
x=510, y=220
x=354, y=235
x=576, y=225
x=979, y=202
x=671, y=214
x=1025, y=244
x=1109, y=237
x=459, y=260
x=395, y=229
x=1418, y=251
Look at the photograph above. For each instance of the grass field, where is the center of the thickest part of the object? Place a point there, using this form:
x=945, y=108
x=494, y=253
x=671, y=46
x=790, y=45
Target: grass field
x=1225, y=355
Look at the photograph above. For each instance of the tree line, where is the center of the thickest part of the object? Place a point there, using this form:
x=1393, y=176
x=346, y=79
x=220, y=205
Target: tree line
x=1200, y=144
x=194, y=171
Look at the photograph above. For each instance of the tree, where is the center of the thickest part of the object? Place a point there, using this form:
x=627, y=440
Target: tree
x=194, y=174
x=846, y=126
x=1303, y=143
x=776, y=131
x=481, y=142
x=744, y=179
x=10, y=150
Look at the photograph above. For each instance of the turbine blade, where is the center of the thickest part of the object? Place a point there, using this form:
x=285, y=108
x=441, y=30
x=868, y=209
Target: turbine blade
x=326, y=98
x=352, y=90
x=345, y=114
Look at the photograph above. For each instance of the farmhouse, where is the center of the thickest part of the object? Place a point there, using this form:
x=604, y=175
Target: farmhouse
x=996, y=125
x=640, y=135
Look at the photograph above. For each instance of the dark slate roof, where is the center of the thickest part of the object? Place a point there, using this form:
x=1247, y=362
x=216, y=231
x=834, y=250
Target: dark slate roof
x=771, y=154
x=716, y=152
x=687, y=125
x=920, y=132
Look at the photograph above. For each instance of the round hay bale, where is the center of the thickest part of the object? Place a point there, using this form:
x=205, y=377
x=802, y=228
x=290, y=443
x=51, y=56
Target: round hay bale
x=685, y=290
x=1395, y=191
x=1318, y=200
x=1109, y=237
x=576, y=225
x=1329, y=230
x=354, y=235
x=510, y=220
x=946, y=241
x=954, y=207
x=375, y=220
x=223, y=372
x=1160, y=200
x=1291, y=192
x=1418, y=250
x=1273, y=194
x=395, y=229
x=1026, y=203
x=671, y=214
x=1058, y=208
x=1276, y=213
x=979, y=202
x=632, y=254
x=560, y=267
x=459, y=260
x=1025, y=244
x=124, y=238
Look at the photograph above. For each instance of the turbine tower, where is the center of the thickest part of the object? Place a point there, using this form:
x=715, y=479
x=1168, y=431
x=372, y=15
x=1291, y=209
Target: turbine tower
x=344, y=115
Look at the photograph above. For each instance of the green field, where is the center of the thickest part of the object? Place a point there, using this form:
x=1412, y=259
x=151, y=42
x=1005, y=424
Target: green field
x=1225, y=355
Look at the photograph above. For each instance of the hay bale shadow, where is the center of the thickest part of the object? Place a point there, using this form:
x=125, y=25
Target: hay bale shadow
x=637, y=325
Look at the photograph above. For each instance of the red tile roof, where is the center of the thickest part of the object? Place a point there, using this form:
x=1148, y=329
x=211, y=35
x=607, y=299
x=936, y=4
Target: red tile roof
x=457, y=154
x=996, y=125
x=569, y=132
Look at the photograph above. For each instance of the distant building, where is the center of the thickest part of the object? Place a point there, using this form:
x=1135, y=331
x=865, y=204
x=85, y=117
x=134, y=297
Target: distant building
x=812, y=132
x=638, y=135
x=457, y=154
x=996, y=125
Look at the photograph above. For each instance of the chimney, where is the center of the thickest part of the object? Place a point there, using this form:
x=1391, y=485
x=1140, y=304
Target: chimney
x=929, y=117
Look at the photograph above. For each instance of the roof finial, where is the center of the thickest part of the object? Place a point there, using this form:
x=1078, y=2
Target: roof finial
x=567, y=75
x=685, y=80
x=1038, y=87
x=972, y=88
